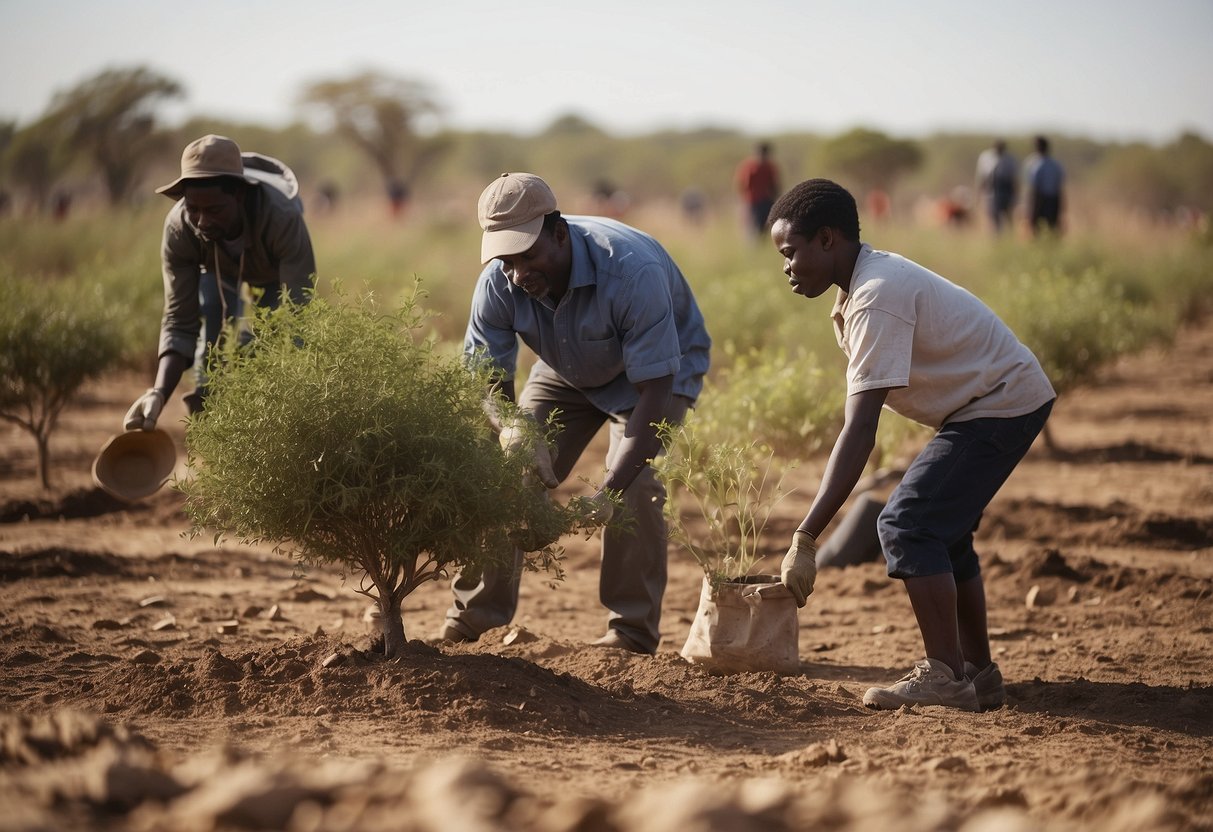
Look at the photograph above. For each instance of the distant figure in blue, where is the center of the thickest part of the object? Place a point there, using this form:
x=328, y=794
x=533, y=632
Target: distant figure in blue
x=997, y=182
x=1044, y=181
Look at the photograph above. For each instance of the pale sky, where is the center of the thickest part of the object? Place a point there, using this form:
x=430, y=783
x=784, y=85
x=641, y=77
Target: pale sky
x=1106, y=69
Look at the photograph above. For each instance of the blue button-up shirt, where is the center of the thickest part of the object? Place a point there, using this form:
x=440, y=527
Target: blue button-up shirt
x=1043, y=175
x=627, y=317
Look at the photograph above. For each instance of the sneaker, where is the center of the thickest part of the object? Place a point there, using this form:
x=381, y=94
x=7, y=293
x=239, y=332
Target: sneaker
x=991, y=693
x=616, y=639
x=931, y=682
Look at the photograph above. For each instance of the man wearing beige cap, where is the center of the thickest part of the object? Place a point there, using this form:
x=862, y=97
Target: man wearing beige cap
x=620, y=341
x=236, y=219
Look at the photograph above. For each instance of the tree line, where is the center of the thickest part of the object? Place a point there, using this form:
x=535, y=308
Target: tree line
x=372, y=131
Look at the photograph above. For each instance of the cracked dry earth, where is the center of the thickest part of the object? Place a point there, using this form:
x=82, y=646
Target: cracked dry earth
x=153, y=681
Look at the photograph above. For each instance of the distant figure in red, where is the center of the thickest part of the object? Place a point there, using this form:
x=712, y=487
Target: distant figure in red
x=757, y=180
x=878, y=205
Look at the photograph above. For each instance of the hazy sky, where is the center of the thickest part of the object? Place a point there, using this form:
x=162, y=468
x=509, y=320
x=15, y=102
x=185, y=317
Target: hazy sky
x=1108, y=69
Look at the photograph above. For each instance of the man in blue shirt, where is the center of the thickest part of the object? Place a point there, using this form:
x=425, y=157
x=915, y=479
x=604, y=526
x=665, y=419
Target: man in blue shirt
x=1044, y=180
x=620, y=340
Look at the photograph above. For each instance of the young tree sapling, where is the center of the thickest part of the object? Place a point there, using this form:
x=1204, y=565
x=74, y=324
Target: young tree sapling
x=344, y=437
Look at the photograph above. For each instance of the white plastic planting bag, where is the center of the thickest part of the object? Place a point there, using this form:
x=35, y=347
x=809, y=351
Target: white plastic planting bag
x=745, y=626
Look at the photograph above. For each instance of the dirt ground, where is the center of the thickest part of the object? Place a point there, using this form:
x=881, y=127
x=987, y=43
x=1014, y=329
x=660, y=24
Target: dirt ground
x=128, y=703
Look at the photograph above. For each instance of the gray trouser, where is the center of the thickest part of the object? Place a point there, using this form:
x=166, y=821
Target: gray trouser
x=633, y=577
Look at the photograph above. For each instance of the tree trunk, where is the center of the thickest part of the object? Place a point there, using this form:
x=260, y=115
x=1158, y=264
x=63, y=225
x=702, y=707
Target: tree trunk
x=44, y=460
x=393, y=625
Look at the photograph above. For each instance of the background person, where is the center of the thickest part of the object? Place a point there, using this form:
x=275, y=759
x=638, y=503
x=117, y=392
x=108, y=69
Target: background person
x=227, y=227
x=996, y=182
x=931, y=351
x=620, y=341
x=1044, y=182
x=757, y=180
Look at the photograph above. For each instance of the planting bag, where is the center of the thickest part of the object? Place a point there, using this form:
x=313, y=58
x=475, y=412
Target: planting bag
x=749, y=625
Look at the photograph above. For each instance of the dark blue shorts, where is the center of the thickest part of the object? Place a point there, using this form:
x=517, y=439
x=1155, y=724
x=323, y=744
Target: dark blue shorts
x=927, y=527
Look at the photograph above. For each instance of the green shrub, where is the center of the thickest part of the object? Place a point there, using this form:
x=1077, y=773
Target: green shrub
x=344, y=437
x=1077, y=325
x=787, y=402
x=730, y=488
x=53, y=338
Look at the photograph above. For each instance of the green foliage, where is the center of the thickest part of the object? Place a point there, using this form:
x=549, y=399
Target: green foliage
x=1077, y=324
x=53, y=338
x=110, y=118
x=343, y=436
x=380, y=114
x=1157, y=180
x=35, y=157
x=114, y=258
x=789, y=401
x=728, y=488
x=871, y=158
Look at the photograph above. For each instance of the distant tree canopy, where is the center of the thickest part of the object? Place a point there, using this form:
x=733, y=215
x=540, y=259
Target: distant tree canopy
x=870, y=158
x=379, y=113
x=110, y=118
x=1158, y=180
x=103, y=132
x=34, y=159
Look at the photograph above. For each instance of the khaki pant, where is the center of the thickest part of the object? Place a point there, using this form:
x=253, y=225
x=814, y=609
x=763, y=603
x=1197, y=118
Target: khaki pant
x=633, y=577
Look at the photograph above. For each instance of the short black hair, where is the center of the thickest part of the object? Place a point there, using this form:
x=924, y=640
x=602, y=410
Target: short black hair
x=816, y=204
x=550, y=221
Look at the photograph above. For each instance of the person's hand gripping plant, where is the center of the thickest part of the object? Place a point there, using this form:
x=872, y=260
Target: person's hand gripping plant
x=345, y=438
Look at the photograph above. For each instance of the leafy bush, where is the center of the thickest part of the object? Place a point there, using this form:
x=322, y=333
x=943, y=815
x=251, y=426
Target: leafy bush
x=1076, y=325
x=731, y=488
x=788, y=402
x=114, y=257
x=343, y=436
x=53, y=338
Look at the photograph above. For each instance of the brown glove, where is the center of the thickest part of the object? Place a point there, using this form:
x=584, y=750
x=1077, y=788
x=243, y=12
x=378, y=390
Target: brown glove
x=799, y=568
x=513, y=437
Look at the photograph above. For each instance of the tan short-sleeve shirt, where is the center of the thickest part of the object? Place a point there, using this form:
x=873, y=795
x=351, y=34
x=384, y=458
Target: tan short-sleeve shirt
x=944, y=355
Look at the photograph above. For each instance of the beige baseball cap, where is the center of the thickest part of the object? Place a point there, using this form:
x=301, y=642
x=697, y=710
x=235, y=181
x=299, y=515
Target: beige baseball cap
x=207, y=158
x=511, y=212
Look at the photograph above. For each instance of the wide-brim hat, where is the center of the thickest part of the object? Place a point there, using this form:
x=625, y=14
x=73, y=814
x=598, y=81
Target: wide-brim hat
x=511, y=211
x=135, y=464
x=209, y=157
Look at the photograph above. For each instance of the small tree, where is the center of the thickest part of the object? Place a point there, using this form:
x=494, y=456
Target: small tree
x=871, y=158
x=344, y=436
x=52, y=340
x=380, y=113
x=1076, y=325
x=111, y=119
x=34, y=158
x=732, y=488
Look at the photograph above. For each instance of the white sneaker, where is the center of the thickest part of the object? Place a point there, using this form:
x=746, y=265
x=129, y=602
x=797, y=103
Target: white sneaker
x=931, y=682
x=991, y=693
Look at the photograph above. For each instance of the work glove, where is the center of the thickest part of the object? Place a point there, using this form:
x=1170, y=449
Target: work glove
x=799, y=568
x=145, y=411
x=602, y=509
x=513, y=438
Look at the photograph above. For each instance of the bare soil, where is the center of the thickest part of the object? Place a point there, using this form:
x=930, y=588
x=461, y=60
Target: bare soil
x=127, y=702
